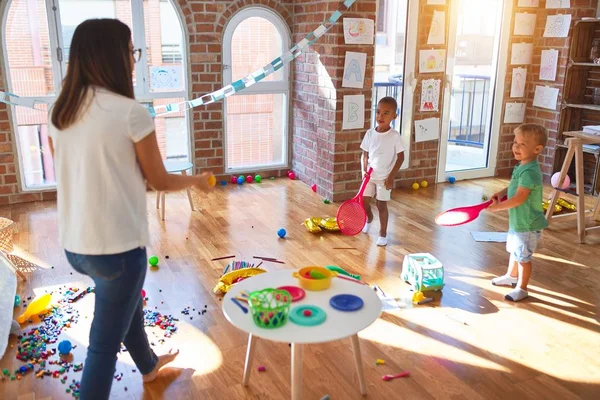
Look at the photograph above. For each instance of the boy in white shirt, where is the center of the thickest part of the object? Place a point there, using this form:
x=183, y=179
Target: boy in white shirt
x=384, y=152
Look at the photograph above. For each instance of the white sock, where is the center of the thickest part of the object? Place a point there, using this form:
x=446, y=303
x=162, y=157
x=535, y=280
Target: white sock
x=505, y=280
x=381, y=241
x=517, y=294
x=366, y=227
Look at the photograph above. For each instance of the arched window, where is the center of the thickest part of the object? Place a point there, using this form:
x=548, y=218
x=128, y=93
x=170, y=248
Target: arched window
x=37, y=36
x=256, y=120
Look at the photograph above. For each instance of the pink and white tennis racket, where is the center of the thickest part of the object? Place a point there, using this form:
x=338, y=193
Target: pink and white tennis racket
x=351, y=216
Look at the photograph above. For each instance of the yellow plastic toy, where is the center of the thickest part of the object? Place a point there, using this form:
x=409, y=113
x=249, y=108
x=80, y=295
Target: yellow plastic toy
x=309, y=283
x=36, y=307
x=228, y=280
x=212, y=180
x=415, y=186
x=424, y=184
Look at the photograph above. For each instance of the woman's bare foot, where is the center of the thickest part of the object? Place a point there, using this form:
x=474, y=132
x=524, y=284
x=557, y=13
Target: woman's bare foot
x=162, y=361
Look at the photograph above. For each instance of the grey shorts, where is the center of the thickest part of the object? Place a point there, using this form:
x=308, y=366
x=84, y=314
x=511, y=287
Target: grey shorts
x=522, y=245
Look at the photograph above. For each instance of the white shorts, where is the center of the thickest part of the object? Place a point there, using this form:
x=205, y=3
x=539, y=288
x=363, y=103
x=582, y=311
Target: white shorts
x=377, y=189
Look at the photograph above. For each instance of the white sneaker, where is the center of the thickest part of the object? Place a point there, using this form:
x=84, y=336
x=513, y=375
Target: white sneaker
x=381, y=241
x=366, y=227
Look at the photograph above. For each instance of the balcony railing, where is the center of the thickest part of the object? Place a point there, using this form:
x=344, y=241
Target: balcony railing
x=468, y=110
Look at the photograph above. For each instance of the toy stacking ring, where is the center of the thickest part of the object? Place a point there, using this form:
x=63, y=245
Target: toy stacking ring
x=307, y=315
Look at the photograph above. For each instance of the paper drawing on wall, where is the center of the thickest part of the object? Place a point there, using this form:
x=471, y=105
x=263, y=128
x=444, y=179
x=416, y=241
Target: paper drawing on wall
x=166, y=77
x=528, y=3
x=545, y=97
x=524, y=24
x=354, y=70
x=427, y=129
x=557, y=25
x=522, y=53
x=517, y=85
x=430, y=95
x=358, y=30
x=354, y=112
x=548, y=65
x=558, y=3
x=437, y=30
x=442, y=2
x=432, y=61
x=514, y=113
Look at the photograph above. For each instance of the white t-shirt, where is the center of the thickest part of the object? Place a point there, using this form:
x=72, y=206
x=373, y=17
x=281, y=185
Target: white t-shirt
x=383, y=149
x=101, y=189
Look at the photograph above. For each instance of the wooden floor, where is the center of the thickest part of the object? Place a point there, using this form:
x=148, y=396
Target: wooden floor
x=468, y=344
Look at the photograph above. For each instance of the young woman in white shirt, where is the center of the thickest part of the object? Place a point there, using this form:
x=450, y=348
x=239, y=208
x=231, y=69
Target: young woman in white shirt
x=105, y=151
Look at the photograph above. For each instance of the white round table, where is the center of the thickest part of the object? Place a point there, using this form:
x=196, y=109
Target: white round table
x=338, y=324
x=172, y=167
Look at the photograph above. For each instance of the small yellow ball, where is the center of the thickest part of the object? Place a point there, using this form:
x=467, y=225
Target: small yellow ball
x=415, y=185
x=424, y=184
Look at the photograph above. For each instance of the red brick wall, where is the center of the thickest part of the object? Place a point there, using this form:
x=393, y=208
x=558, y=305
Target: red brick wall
x=323, y=153
x=548, y=118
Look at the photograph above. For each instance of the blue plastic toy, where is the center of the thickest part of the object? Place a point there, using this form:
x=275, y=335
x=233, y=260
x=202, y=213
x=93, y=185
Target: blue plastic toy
x=17, y=300
x=223, y=183
x=281, y=233
x=423, y=272
x=64, y=347
x=451, y=179
x=241, y=180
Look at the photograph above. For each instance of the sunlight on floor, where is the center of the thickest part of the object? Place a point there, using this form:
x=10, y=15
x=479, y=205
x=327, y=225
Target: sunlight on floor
x=558, y=260
x=390, y=334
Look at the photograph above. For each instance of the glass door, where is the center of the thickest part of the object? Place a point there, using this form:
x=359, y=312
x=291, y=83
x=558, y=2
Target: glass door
x=395, y=49
x=476, y=65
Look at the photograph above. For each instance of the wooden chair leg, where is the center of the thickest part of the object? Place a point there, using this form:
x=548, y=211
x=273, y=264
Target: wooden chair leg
x=189, y=193
x=157, y=200
x=580, y=191
x=596, y=214
x=162, y=200
x=563, y=173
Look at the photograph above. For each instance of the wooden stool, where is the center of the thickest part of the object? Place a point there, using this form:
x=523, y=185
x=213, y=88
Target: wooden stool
x=575, y=144
x=171, y=167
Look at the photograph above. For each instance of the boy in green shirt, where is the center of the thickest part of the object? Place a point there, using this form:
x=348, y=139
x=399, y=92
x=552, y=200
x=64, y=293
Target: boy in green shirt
x=524, y=204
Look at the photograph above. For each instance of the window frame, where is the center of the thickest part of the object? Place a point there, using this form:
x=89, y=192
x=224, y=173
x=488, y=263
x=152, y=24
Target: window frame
x=270, y=87
x=142, y=91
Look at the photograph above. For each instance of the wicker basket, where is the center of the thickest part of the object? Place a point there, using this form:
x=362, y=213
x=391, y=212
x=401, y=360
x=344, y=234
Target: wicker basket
x=6, y=235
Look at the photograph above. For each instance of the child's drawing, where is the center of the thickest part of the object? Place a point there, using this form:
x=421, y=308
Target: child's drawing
x=517, y=86
x=557, y=25
x=548, y=65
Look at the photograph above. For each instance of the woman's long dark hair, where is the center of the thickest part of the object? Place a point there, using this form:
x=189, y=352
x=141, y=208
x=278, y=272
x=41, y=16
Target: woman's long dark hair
x=100, y=56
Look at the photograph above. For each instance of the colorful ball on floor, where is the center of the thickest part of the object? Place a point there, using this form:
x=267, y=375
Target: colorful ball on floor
x=64, y=347
x=314, y=188
x=223, y=182
x=212, y=180
x=424, y=184
x=257, y=178
x=240, y=180
x=415, y=186
x=292, y=175
x=554, y=181
x=249, y=179
x=234, y=179
x=153, y=261
x=451, y=179
x=281, y=233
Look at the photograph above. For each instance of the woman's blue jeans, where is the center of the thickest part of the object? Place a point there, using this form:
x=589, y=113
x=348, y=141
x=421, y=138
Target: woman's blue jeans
x=118, y=318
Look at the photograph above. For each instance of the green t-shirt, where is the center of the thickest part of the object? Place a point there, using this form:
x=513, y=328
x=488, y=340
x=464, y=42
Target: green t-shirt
x=529, y=216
